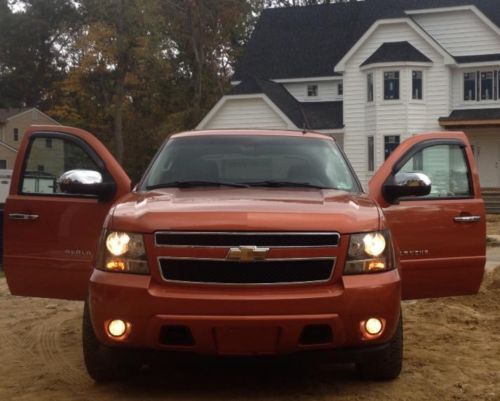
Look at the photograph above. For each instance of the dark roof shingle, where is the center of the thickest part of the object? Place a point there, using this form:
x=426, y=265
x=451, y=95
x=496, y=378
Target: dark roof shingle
x=296, y=42
x=309, y=115
x=395, y=52
x=472, y=114
x=477, y=59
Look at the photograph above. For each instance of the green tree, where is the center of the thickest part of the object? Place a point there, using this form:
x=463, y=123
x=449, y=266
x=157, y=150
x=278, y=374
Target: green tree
x=205, y=38
x=31, y=49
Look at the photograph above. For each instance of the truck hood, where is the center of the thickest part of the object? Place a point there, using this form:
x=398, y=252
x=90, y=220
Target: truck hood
x=245, y=209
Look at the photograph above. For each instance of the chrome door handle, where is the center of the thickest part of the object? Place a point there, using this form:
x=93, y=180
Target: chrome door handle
x=23, y=216
x=467, y=219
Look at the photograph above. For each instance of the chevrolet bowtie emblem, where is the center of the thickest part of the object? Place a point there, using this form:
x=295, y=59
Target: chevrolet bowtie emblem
x=247, y=254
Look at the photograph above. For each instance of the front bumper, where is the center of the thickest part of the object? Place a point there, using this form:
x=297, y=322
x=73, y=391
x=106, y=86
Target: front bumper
x=245, y=321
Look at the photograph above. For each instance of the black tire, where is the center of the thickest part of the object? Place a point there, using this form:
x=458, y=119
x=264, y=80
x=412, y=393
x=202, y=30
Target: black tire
x=385, y=366
x=105, y=363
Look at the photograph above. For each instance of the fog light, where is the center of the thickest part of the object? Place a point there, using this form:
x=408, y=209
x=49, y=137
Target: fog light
x=117, y=328
x=373, y=326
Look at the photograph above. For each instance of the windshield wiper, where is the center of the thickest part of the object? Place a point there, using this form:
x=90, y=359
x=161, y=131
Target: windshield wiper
x=284, y=184
x=192, y=184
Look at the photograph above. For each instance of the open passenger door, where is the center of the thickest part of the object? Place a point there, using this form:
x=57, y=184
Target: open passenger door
x=441, y=236
x=51, y=235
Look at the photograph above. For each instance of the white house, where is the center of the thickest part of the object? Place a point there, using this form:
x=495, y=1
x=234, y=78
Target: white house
x=372, y=73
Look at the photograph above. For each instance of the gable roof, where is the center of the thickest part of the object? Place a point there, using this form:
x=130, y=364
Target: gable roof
x=310, y=115
x=477, y=59
x=10, y=112
x=299, y=42
x=472, y=114
x=395, y=52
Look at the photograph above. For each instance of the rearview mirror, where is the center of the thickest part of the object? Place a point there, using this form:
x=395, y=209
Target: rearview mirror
x=406, y=184
x=86, y=182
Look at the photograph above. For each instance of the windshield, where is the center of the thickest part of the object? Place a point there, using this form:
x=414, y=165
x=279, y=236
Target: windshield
x=247, y=161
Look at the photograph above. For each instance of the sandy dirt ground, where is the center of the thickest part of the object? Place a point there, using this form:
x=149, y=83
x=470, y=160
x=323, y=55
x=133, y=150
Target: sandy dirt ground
x=493, y=224
x=452, y=352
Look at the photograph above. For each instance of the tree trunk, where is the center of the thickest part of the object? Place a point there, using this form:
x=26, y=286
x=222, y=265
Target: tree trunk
x=121, y=70
x=118, y=117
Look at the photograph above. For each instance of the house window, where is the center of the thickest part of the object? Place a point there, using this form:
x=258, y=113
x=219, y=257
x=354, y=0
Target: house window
x=312, y=90
x=417, y=85
x=3, y=164
x=48, y=142
x=371, y=154
x=391, y=85
x=487, y=85
x=16, y=134
x=391, y=142
x=369, y=87
x=498, y=85
x=470, y=86
x=340, y=89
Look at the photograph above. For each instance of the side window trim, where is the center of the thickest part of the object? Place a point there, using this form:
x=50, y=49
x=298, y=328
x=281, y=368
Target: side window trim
x=75, y=140
x=427, y=144
x=421, y=146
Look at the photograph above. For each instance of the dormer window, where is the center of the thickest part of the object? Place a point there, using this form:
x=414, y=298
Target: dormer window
x=391, y=85
x=470, y=86
x=340, y=89
x=417, y=85
x=312, y=90
x=487, y=85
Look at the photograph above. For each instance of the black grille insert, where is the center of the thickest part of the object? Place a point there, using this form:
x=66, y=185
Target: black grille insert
x=227, y=272
x=176, y=335
x=240, y=239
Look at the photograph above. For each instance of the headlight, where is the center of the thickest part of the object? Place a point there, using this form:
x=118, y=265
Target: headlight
x=117, y=243
x=369, y=253
x=123, y=252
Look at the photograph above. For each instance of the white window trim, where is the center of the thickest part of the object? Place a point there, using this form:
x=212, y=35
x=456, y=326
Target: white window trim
x=374, y=155
x=492, y=70
x=400, y=100
x=410, y=86
x=317, y=95
x=374, y=98
x=478, y=99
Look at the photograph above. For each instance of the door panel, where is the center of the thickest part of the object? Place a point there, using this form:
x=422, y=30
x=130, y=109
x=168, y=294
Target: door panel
x=488, y=160
x=441, y=238
x=51, y=237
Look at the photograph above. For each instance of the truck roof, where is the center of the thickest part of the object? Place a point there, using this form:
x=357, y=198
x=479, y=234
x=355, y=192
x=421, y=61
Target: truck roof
x=253, y=132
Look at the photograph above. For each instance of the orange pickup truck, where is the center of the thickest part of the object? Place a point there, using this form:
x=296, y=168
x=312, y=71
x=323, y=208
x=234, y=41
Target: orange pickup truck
x=243, y=242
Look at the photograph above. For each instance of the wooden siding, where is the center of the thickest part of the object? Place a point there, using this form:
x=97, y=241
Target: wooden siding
x=245, y=113
x=461, y=33
x=403, y=117
x=458, y=90
x=20, y=121
x=327, y=91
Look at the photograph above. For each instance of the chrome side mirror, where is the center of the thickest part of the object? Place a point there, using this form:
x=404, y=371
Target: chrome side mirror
x=83, y=177
x=86, y=182
x=406, y=184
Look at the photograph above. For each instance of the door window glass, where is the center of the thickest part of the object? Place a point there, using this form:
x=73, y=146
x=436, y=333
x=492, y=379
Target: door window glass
x=45, y=164
x=447, y=168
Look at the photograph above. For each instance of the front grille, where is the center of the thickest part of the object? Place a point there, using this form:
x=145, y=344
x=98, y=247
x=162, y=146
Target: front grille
x=264, y=272
x=224, y=239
